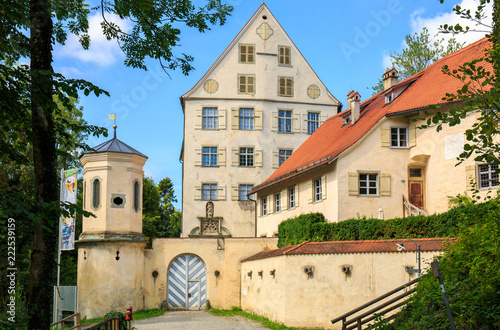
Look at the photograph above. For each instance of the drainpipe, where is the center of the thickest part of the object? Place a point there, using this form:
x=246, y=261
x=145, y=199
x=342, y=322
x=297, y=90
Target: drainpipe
x=253, y=200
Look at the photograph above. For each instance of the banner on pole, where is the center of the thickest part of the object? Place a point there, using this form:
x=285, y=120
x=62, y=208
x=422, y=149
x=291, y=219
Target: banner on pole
x=68, y=194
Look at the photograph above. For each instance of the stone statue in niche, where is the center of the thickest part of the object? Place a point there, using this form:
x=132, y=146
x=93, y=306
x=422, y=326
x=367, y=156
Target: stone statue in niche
x=210, y=209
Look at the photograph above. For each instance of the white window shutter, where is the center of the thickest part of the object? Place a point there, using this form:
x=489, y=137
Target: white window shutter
x=270, y=203
x=259, y=207
x=323, y=187
x=235, y=123
x=276, y=159
x=385, y=136
x=304, y=122
x=274, y=120
x=197, y=192
x=258, y=157
x=197, y=157
x=412, y=136
x=221, y=196
x=470, y=177
x=222, y=119
x=234, y=193
x=296, y=195
x=221, y=159
x=353, y=183
x=295, y=122
x=258, y=119
x=385, y=184
x=198, y=119
x=310, y=192
x=284, y=199
x=235, y=156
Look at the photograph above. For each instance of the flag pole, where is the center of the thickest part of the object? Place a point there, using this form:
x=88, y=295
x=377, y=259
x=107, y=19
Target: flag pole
x=56, y=316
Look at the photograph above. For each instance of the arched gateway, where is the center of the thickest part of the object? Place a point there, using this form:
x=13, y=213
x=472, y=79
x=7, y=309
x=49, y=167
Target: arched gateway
x=187, y=283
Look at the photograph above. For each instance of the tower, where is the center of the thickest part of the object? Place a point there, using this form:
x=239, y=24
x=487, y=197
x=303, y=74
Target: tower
x=111, y=246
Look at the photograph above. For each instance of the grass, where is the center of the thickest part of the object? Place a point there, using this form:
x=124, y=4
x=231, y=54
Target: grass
x=266, y=322
x=141, y=315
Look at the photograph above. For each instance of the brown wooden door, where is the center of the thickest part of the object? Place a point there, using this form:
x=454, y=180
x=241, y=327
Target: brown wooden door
x=417, y=193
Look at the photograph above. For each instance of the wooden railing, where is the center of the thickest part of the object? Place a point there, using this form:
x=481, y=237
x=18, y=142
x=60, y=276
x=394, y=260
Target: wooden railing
x=410, y=209
x=76, y=322
x=113, y=323
x=357, y=321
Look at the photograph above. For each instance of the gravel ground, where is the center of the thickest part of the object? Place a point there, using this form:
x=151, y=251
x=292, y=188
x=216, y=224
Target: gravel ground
x=198, y=320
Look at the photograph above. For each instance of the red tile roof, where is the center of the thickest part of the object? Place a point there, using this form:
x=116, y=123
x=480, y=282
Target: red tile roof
x=425, y=88
x=342, y=247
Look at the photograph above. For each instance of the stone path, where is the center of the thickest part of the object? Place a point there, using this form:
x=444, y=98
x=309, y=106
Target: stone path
x=198, y=320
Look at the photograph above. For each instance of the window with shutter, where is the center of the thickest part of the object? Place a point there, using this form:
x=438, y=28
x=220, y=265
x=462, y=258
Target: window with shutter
x=353, y=184
x=246, y=84
x=247, y=54
x=285, y=86
x=385, y=136
x=284, y=56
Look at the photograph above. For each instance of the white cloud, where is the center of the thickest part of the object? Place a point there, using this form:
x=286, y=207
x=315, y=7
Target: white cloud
x=102, y=52
x=70, y=72
x=418, y=21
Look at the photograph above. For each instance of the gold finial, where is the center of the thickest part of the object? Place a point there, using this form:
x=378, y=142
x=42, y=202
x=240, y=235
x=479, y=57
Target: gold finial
x=114, y=126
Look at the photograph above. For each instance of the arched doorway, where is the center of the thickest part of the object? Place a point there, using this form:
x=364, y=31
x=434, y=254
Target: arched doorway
x=187, y=283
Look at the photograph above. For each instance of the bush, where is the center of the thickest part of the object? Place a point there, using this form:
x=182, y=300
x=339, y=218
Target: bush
x=471, y=279
x=314, y=228
x=121, y=317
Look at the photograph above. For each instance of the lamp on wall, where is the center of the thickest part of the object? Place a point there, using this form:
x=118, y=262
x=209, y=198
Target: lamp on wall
x=417, y=251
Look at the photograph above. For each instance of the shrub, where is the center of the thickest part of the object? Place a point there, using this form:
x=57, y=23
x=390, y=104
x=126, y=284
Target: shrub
x=121, y=317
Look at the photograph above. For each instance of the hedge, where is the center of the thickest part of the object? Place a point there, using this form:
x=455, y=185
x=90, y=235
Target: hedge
x=313, y=227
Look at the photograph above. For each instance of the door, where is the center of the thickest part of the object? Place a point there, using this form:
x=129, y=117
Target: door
x=187, y=283
x=417, y=194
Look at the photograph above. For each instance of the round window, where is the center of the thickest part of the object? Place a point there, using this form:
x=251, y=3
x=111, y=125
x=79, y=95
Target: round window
x=211, y=86
x=313, y=91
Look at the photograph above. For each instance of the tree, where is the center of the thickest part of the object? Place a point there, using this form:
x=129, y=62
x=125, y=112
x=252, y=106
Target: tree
x=29, y=30
x=420, y=51
x=160, y=218
x=480, y=91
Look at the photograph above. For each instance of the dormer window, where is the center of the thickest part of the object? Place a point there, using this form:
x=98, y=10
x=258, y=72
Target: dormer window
x=346, y=120
x=389, y=98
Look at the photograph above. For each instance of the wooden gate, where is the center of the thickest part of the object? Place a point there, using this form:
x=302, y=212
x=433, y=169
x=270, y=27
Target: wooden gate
x=187, y=283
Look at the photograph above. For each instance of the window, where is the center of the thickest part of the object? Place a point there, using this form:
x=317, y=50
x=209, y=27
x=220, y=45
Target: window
x=317, y=190
x=211, y=86
x=368, y=184
x=399, y=137
x=312, y=122
x=247, y=54
x=263, y=203
x=285, y=121
x=246, y=156
x=243, y=191
x=313, y=91
x=246, y=84
x=284, y=55
x=137, y=196
x=209, y=156
x=246, y=119
x=285, y=86
x=96, y=193
x=291, y=198
x=210, y=118
x=209, y=191
x=488, y=176
x=283, y=155
x=277, y=202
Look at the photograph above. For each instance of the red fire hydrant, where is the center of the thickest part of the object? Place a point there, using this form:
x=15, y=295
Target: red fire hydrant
x=129, y=317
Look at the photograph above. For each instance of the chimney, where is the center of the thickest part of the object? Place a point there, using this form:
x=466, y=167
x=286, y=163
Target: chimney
x=353, y=99
x=390, y=78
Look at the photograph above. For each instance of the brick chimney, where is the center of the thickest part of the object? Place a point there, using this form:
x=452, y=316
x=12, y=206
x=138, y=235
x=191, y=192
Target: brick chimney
x=390, y=78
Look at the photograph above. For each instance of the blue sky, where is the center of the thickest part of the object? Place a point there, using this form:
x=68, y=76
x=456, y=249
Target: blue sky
x=347, y=43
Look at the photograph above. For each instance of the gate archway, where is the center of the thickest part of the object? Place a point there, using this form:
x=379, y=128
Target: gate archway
x=187, y=283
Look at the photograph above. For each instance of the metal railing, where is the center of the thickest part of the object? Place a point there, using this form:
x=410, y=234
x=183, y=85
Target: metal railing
x=76, y=322
x=356, y=322
x=113, y=323
x=410, y=209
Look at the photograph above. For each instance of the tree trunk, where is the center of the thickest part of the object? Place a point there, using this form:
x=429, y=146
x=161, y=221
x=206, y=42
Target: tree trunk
x=42, y=266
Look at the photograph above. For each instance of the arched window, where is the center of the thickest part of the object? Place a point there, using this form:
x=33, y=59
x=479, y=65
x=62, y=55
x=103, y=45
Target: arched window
x=137, y=196
x=96, y=193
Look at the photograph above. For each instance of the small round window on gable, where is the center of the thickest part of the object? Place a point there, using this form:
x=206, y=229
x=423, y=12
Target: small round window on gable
x=313, y=91
x=118, y=201
x=264, y=17
x=211, y=86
